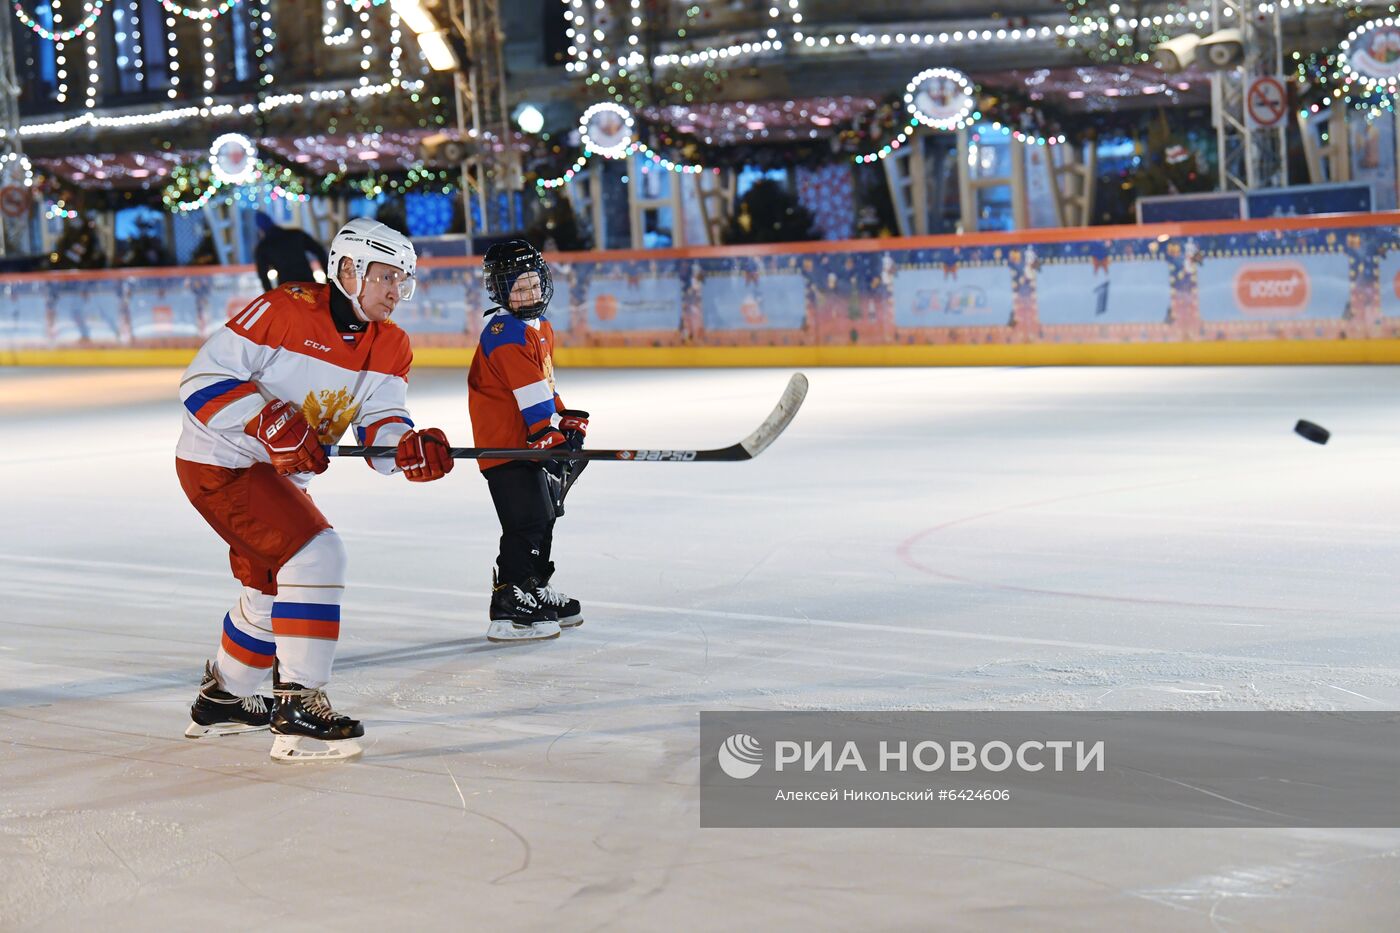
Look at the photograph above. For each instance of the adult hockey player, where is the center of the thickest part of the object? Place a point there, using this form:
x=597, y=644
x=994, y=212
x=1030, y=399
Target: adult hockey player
x=289, y=373
x=514, y=404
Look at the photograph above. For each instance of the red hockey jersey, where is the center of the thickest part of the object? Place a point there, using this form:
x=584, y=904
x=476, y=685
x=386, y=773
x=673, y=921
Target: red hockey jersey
x=511, y=383
x=285, y=346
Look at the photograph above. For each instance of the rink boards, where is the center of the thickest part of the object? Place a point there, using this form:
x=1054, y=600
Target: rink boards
x=1286, y=290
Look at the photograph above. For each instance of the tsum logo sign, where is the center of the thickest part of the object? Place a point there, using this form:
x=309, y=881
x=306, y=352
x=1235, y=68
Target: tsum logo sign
x=1273, y=289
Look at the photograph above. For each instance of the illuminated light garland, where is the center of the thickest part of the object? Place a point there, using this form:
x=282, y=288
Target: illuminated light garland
x=94, y=69
x=893, y=145
x=1343, y=87
x=330, y=23
x=145, y=119
x=889, y=148
x=136, y=38
x=616, y=150
x=155, y=117
x=940, y=123
x=395, y=34
x=59, y=56
x=25, y=165
x=207, y=27
x=568, y=175
x=206, y=14
x=268, y=179
x=250, y=159
x=172, y=57
x=578, y=32
x=366, y=49
x=1344, y=60
x=704, y=56
x=264, y=17
x=94, y=13
x=1027, y=138
x=284, y=194
x=634, y=148
x=59, y=211
x=170, y=196
x=679, y=168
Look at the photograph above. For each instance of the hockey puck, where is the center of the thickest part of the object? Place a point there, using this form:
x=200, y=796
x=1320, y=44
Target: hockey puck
x=1313, y=432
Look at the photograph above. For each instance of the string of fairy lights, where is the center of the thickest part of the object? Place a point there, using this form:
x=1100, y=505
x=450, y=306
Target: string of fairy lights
x=192, y=187
x=63, y=33
x=594, y=29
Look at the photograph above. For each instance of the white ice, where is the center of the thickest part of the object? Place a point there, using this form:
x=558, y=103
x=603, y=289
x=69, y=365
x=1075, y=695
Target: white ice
x=919, y=538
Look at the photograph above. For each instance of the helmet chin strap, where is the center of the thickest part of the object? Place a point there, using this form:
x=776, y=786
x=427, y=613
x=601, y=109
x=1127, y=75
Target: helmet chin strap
x=354, y=299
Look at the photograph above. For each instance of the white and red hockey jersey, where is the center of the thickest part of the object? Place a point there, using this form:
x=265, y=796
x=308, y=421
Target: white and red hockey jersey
x=285, y=346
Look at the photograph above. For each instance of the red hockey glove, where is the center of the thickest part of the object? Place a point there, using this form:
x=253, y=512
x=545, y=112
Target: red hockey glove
x=423, y=456
x=545, y=438
x=573, y=424
x=291, y=444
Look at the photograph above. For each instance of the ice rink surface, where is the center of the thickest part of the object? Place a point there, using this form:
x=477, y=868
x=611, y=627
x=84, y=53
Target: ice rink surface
x=919, y=538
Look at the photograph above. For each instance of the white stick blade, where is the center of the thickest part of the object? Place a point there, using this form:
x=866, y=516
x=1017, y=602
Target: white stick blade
x=782, y=415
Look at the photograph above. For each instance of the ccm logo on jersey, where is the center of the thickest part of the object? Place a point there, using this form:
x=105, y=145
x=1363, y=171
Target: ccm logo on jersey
x=681, y=455
x=317, y=346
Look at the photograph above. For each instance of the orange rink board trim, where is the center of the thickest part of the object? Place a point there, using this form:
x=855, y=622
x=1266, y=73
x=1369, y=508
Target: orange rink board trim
x=1314, y=289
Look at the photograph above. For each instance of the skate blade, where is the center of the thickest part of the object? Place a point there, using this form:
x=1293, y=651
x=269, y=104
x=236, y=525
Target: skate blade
x=196, y=731
x=571, y=623
x=504, y=633
x=296, y=749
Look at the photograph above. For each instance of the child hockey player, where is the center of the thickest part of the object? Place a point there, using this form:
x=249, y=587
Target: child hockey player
x=514, y=404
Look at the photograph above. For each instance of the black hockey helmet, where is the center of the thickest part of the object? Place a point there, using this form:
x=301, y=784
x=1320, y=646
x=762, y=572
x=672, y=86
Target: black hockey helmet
x=506, y=262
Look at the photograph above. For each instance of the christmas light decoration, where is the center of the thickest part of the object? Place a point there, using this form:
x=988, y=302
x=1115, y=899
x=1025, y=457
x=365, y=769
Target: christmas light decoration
x=92, y=12
x=1368, y=54
x=60, y=58
x=941, y=98
x=207, y=39
x=233, y=159
x=891, y=147
x=22, y=162
x=606, y=129
x=264, y=54
x=94, y=70
x=172, y=56
x=332, y=32
x=206, y=14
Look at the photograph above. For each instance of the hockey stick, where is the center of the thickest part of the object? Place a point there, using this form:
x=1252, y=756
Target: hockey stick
x=747, y=449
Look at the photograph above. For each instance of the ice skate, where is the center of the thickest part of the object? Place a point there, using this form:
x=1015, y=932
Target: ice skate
x=306, y=728
x=517, y=614
x=568, y=610
x=218, y=712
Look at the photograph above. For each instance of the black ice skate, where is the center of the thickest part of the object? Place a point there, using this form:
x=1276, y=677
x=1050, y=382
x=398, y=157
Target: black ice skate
x=517, y=614
x=218, y=712
x=305, y=728
x=568, y=610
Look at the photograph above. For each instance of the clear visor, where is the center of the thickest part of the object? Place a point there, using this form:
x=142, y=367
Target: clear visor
x=402, y=282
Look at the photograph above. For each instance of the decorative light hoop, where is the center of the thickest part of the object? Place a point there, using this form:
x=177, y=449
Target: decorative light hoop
x=919, y=95
x=1362, y=54
x=606, y=128
x=236, y=165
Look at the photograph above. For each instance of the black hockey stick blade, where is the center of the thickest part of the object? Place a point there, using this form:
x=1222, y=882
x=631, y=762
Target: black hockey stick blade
x=747, y=449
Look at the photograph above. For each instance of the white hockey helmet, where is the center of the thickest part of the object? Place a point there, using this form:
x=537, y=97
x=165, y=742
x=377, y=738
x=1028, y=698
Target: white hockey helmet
x=364, y=241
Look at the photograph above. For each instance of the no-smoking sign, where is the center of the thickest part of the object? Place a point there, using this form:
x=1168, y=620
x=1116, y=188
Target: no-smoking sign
x=1265, y=103
x=14, y=201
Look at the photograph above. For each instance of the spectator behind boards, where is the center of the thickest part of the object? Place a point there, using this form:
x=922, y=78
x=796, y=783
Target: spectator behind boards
x=281, y=254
